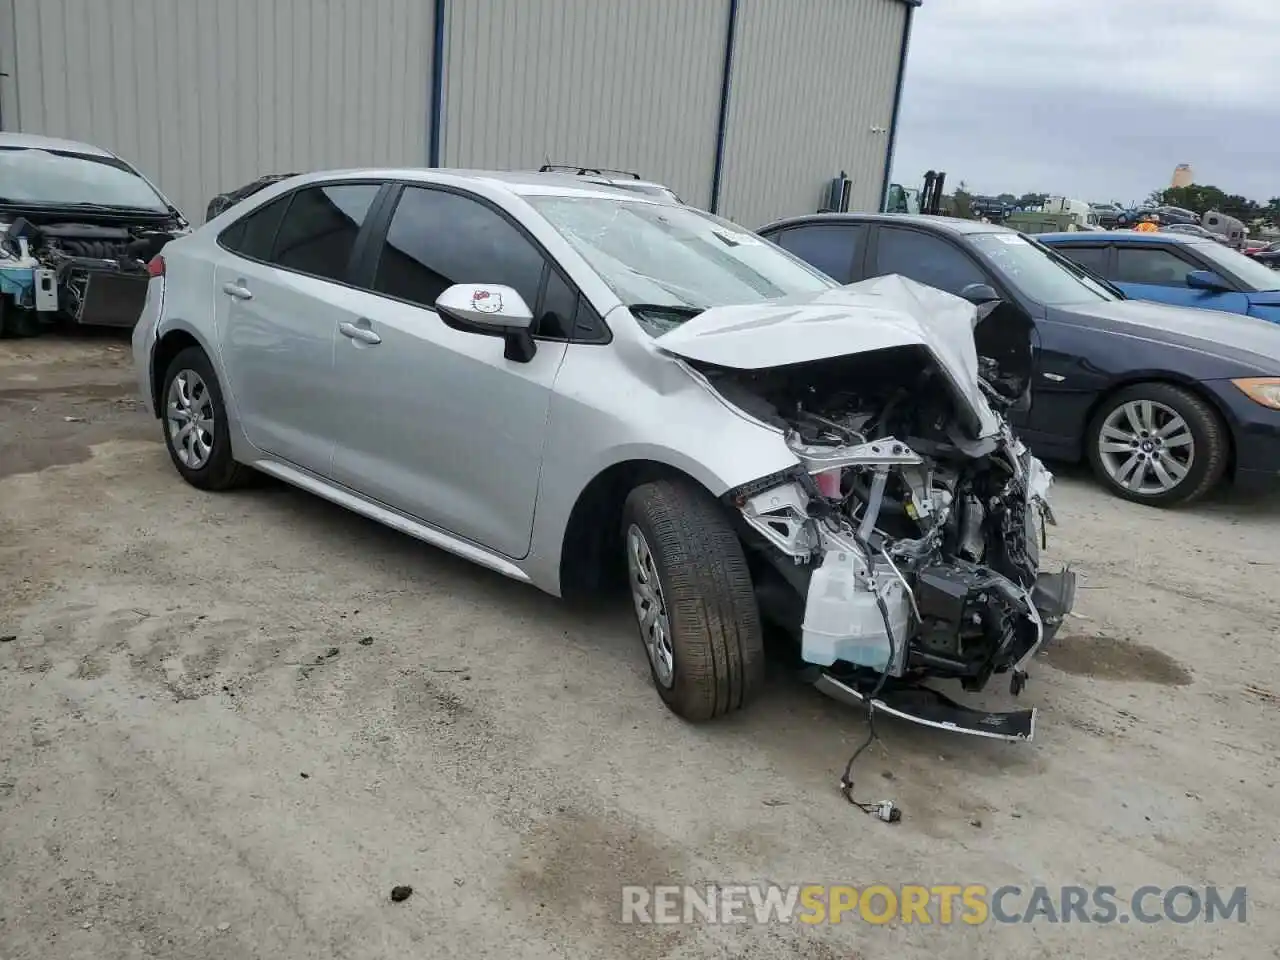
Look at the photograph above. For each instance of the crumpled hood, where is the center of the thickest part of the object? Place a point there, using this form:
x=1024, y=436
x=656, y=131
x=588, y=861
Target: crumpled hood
x=859, y=318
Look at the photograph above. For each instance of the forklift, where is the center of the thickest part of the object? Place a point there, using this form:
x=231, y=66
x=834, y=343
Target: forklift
x=927, y=200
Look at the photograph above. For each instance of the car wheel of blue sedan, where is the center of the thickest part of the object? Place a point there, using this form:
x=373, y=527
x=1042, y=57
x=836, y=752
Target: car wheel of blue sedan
x=1158, y=444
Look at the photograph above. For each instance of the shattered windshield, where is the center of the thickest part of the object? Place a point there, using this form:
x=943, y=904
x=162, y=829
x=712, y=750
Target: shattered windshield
x=58, y=178
x=675, y=260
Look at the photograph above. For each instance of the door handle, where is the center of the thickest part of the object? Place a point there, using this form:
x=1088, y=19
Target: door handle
x=237, y=290
x=363, y=334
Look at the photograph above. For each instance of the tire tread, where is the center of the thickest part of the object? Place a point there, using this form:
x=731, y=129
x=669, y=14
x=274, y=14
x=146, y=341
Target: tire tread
x=711, y=604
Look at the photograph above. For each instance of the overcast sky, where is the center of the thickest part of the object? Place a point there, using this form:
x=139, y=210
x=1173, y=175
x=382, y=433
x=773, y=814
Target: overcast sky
x=1093, y=99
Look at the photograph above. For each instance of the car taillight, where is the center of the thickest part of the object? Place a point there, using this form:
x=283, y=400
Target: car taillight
x=155, y=266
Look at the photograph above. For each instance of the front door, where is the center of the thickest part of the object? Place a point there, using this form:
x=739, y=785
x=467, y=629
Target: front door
x=281, y=299
x=433, y=420
x=1160, y=274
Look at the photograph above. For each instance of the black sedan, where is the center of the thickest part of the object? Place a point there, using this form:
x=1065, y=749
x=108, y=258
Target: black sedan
x=1163, y=401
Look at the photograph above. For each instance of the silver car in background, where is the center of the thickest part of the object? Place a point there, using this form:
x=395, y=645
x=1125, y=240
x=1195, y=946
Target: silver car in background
x=565, y=384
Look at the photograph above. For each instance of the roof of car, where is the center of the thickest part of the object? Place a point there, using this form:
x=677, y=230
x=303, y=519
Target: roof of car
x=941, y=224
x=32, y=142
x=517, y=182
x=1125, y=236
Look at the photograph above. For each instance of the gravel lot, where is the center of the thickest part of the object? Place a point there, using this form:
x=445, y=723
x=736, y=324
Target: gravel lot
x=231, y=724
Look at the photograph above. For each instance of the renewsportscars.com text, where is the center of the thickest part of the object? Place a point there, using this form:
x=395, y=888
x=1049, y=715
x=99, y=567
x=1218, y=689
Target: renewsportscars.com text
x=944, y=904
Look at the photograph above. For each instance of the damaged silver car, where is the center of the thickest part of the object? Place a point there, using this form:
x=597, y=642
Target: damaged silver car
x=568, y=386
x=78, y=226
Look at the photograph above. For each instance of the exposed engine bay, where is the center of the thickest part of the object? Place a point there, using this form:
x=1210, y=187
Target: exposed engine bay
x=86, y=273
x=907, y=544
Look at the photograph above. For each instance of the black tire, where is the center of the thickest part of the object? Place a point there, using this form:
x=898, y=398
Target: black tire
x=1211, y=444
x=219, y=471
x=716, y=638
x=16, y=322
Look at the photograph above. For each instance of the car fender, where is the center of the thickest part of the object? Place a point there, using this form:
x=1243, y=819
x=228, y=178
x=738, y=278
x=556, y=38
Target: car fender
x=1265, y=311
x=656, y=409
x=241, y=448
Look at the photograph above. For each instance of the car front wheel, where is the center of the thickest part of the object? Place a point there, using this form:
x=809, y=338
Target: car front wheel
x=196, y=431
x=694, y=600
x=1158, y=444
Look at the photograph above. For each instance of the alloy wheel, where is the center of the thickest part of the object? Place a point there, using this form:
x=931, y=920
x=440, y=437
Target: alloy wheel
x=1146, y=447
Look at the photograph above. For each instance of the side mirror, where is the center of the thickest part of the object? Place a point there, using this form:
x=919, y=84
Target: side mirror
x=1207, y=280
x=492, y=310
x=979, y=293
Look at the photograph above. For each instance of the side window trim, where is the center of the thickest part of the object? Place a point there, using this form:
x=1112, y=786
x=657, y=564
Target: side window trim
x=362, y=238
x=384, y=209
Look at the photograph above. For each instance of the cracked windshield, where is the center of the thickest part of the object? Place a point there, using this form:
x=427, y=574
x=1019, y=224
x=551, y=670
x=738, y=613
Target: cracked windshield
x=673, y=262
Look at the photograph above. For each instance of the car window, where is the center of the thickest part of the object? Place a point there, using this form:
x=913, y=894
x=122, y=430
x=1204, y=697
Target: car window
x=437, y=239
x=253, y=235
x=320, y=228
x=1155, y=266
x=44, y=177
x=557, y=314
x=1093, y=259
x=831, y=247
x=926, y=259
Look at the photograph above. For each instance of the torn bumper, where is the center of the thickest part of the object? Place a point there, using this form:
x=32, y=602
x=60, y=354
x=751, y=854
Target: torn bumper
x=964, y=601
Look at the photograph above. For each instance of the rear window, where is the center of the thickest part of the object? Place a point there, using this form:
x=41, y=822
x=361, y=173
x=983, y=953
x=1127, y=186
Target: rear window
x=252, y=236
x=319, y=229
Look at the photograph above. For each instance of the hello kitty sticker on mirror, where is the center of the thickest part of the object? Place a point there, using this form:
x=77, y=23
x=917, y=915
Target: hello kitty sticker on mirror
x=486, y=301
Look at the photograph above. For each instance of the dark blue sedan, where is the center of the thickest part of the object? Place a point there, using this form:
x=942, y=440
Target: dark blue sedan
x=1188, y=271
x=1163, y=401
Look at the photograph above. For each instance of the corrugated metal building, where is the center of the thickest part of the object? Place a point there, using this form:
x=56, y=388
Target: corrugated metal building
x=746, y=107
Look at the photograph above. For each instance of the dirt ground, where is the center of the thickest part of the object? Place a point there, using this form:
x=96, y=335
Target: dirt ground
x=229, y=725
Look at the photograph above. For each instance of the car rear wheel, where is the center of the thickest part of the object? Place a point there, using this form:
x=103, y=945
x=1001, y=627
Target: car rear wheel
x=694, y=600
x=196, y=431
x=1158, y=444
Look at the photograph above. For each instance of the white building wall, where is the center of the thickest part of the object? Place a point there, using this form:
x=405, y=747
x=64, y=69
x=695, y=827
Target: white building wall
x=206, y=95
x=811, y=94
x=629, y=84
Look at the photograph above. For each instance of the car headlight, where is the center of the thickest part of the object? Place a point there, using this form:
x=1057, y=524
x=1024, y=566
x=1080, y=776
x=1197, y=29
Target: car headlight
x=1263, y=390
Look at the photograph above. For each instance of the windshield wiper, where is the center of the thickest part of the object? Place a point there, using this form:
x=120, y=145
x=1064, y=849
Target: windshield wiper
x=85, y=207
x=681, y=309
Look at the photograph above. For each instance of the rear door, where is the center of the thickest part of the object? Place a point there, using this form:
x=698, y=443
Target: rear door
x=431, y=418
x=281, y=284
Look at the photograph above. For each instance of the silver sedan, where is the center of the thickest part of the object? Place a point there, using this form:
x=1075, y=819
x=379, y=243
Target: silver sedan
x=567, y=383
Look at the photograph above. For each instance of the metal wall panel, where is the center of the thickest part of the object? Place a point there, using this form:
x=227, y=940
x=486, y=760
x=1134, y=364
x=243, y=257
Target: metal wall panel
x=206, y=95
x=633, y=84
x=810, y=81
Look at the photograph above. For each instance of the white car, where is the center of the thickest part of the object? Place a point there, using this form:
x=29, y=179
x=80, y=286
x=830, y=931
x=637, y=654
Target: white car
x=561, y=383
